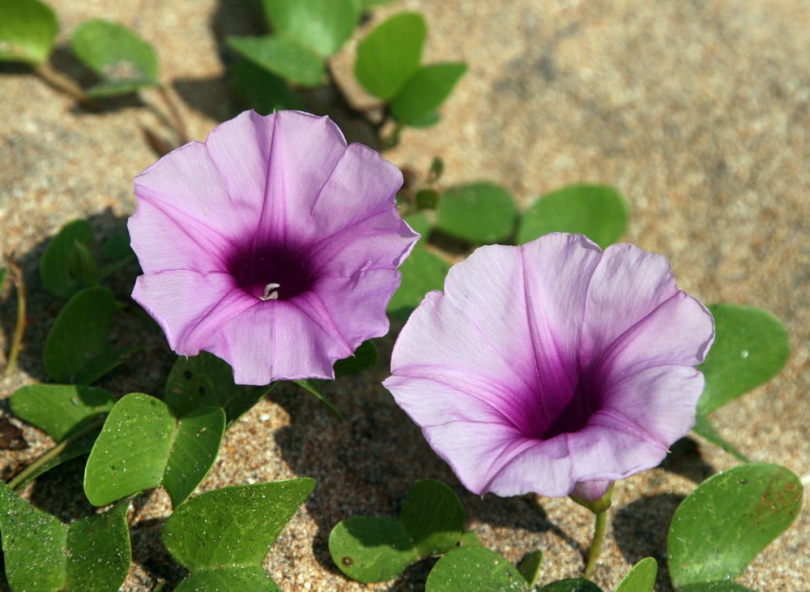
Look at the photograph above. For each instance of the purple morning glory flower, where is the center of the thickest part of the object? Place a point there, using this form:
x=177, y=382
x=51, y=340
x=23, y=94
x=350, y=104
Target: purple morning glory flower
x=554, y=367
x=273, y=245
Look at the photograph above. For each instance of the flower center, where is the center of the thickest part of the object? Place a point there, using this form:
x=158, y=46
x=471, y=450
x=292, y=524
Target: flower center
x=268, y=271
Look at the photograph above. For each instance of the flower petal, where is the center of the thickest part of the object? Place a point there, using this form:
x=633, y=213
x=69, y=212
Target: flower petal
x=188, y=186
x=276, y=340
x=165, y=239
x=182, y=300
x=627, y=285
x=677, y=333
x=660, y=400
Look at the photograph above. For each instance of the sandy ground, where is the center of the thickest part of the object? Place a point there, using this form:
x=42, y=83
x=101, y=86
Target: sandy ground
x=697, y=111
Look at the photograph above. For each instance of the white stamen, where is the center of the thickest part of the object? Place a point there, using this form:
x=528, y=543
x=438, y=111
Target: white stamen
x=270, y=292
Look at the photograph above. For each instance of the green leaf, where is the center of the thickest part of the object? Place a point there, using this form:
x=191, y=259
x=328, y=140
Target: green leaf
x=599, y=212
x=28, y=30
x=366, y=4
x=207, y=381
x=104, y=363
x=371, y=548
x=704, y=427
x=121, y=59
x=58, y=409
x=641, y=578
x=33, y=545
x=3, y=273
x=474, y=568
x=721, y=586
x=469, y=539
x=364, y=358
x=321, y=25
x=425, y=91
x=118, y=252
x=143, y=445
x=282, y=56
x=724, y=523
x=82, y=264
x=480, y=213
x=98, y=551
x=571, y=585
x=41, y=553
x=79, y=333
x=229, y=579
x=433, y=517
x=54, y=267
x=750, y=348
x=531, y=566
x=378, y=548
x=421, y=272
x=390, y=54
x=262, y=90
x=313, y=388
x=233, y=526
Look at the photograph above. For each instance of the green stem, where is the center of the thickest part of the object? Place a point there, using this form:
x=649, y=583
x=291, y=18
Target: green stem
x=596, y=544
x=19, y=327
x=174, y=112
x=21, y=477
x=66, y=85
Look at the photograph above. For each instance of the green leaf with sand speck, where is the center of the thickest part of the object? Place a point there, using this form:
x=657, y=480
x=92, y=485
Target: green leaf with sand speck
x=144, y=445
x=120, y=58
x=41, y=553
x=223, y=536
x=725, y=523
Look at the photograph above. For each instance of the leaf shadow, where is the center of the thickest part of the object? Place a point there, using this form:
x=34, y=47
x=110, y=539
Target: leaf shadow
x=637, y=528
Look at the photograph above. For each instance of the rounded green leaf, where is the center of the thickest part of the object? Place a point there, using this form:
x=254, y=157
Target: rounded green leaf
x=425, y=91
x=54, y=267
x=28, y=30
x=233, y=526
x=719, y=529
x=42, y=554
x=262, y=90
x=283, y=56
x=79, y=334
x=98, y=551
x=121, y=59
x=641, y=578
x=531, y=566
x=229, y=579
x=60, y=409
x=751, y=347
x=34, y=545
x=390, y=54
x=371, y=548
x=433, y=517
x=571, y=585
x=422, y=272
x=204, y=381
x=142, y=445
x=599, y=212
x=474, y=568
x=480, y=213
x=321, y=25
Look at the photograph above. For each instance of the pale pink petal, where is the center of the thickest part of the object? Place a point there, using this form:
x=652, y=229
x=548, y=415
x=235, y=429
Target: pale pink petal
x=187, y=185
x=263, y=344
x=168, y=239
x=661, y=400
x=630, y=283
x=182, y=300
